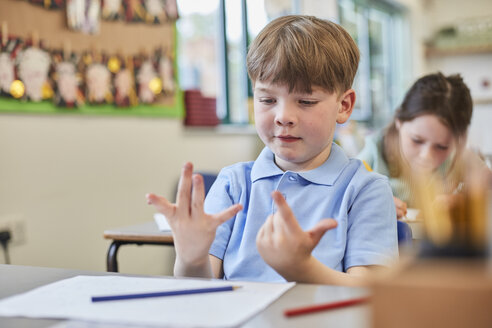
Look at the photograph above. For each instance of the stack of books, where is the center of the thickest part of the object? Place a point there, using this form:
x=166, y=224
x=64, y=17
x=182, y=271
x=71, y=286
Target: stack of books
x=200, y=110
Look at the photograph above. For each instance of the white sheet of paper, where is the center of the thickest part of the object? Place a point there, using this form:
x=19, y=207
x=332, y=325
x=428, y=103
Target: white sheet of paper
x=71, y=299
x=161, y=221
x=412, y=214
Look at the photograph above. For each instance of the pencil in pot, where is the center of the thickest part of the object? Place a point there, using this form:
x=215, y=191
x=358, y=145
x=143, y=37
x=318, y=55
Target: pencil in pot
x=324, y=307
x=164, y=293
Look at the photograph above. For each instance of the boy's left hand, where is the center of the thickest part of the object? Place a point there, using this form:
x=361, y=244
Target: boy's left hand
x=283, y=244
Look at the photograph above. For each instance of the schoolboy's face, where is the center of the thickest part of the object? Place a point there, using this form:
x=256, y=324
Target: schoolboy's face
x=297, y=127
x=425, y=142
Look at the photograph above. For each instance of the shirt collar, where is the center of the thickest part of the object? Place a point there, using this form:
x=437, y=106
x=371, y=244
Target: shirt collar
x=326, y=174
x=265, y=166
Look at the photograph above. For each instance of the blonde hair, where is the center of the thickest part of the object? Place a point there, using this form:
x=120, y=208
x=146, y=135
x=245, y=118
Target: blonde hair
x=304, y=51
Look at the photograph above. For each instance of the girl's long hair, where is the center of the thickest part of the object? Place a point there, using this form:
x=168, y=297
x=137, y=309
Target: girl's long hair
x=446, y=97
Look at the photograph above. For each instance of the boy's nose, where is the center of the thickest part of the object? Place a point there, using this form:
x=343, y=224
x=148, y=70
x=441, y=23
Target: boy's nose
x=285, y=115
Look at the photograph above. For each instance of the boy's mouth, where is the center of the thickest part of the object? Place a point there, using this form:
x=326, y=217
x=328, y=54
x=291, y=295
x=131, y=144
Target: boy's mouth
x=288, y=138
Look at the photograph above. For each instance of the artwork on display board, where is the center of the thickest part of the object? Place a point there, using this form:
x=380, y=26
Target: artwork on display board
x=171, y=8
x=134, y=11
x=33, y=67
x=123, y=81
x=83, y=15
x=155, y=11
x=9, y=49
x=150, y=11
x=36, y=78
x=158, y=11
x=34, y=73
x=66, y=79
x=166, y=72
x=97, y=77
x=50, y=4
x=112, y=9
x=149, y=84
x=93, y=77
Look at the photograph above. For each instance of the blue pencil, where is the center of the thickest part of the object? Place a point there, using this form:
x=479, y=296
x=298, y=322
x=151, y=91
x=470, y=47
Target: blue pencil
x=162, y=294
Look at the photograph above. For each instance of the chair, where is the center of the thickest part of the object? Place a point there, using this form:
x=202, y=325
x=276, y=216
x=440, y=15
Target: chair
x=208, y=181
x=404, y=232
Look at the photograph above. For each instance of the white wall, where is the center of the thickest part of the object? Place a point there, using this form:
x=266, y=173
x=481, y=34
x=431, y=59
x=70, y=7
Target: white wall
x=70, y=177
x=448, y=12
x=475, y=68
x=428, y=16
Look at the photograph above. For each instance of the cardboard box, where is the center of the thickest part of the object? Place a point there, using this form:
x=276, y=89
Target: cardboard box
x=435, y=293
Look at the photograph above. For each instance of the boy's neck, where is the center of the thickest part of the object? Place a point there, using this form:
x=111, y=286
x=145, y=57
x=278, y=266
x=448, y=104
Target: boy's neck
x=304, y=166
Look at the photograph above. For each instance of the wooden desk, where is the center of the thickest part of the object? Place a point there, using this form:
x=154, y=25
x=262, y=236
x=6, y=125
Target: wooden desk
x=139, y=234
x=17, y=279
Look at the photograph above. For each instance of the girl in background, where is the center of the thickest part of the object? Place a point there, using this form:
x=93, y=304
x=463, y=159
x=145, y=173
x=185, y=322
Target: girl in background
x=427, y=135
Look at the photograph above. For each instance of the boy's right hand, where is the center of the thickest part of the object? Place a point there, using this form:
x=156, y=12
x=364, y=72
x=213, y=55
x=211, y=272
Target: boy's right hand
x=193, y=229
x=401, y=207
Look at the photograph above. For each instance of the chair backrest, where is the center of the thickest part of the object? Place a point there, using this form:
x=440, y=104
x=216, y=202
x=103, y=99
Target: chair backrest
x=404, y=232
x=208, y=181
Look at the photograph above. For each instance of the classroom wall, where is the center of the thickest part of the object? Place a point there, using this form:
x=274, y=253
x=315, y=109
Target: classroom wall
x=67, y=178
x=475, y=68
x=426, y=17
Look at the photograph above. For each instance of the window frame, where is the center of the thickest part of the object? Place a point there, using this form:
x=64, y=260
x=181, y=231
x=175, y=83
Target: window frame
x=395, y=76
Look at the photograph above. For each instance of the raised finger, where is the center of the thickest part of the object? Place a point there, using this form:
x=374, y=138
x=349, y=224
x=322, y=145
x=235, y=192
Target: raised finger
x=265, y=234
x=226, y=214
x=284, y=212
x=161, y=204
x=197, y=195
x=319, y=230
x=184, y=188
x=268, y=226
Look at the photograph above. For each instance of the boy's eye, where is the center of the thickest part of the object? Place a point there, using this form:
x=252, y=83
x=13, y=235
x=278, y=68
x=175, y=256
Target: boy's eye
x=417, y=141
x=443, y=148
x=308, y=102
x=267, y=101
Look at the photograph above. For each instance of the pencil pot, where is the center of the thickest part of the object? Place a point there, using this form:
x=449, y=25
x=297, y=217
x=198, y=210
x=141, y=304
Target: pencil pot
x=456, y=225
x=449, y=284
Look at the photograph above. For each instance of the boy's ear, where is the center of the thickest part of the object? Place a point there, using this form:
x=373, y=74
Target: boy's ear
x=347, y=102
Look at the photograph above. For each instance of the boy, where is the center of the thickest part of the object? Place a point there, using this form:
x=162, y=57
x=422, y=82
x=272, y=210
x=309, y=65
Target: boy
x=302, y=69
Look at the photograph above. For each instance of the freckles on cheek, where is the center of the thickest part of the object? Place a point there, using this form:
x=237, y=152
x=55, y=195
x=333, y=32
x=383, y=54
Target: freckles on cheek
x=314, y=129
x=310, y=124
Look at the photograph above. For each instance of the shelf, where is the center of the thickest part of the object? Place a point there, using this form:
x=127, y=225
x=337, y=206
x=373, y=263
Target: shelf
x=458, y=51
x=482, y=101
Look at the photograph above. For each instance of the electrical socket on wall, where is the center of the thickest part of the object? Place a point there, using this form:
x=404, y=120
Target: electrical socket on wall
x=16, y=224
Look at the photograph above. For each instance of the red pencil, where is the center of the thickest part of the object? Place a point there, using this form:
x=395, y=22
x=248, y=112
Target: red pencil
x=322, y=307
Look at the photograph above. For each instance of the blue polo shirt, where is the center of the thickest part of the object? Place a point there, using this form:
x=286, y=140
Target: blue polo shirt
x=341, y=188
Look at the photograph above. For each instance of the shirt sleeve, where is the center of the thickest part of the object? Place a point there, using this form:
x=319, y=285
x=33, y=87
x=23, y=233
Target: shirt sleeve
x=371, y=232
x=218, y=199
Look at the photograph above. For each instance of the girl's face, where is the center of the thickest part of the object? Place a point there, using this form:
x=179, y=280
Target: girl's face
x=425, y=142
